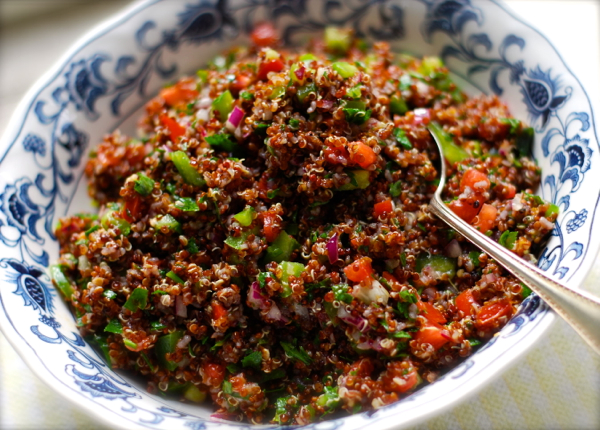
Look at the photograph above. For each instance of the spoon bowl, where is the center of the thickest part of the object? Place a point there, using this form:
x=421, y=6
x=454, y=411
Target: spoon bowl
x=578, y=308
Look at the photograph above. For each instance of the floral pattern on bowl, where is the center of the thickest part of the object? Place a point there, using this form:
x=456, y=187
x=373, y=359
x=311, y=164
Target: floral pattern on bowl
x=109, y=75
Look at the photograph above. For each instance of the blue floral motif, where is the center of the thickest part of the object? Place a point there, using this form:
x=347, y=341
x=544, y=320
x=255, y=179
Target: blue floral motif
x=540, y=94
x=34, y=143
x=85, y=84
x=578, y=221
x=543, y=96
x=31, y=284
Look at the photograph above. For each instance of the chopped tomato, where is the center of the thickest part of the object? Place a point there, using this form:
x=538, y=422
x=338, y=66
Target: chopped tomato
x=410, y=379
x=486, y=218
x=264, y=35
x=173, y=126
x=467, y=209
x=268, y=66
x=361, y=154
x=336, y=155
x=430, y=312
x=465, y=302
x=476, y=180
x=359, y=270
x=132, y=209
x=433, y=334
x=181, y=92
x=491, y=315
x=241, y=82
x=219, y=310
x=213, y=374
x=383, y=208
x=508, y=191
x=271, y=228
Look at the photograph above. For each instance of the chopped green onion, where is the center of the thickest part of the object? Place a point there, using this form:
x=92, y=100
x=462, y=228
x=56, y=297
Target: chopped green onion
x=111, y=219
x=354, y=92
x=172, y=275
x=157, y=325
x=552, y=210
x=166, y=221
x=345, y=70
x=281, y=249
x=61, y=281
x=246, y=216
x=203, y=75
x=288, y=269
x=223, y=105
x=129, y=343
x=143, y=185
x=359, y=179
x=439, y=263
x=452, y=152
x=525, y=291
x=398, y=105
x=278, y=92
x=186, y=170
x=92, y=229
x=305, y=90
x=167, y=344
x=356, y=112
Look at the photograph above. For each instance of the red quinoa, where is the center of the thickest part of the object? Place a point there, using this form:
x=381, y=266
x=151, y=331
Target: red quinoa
x=267, y=242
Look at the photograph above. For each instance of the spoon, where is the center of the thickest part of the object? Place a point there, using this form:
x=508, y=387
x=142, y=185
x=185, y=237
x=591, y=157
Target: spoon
x=578, y=308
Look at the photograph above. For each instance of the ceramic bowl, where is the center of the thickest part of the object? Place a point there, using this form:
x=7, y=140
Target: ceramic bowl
x=109, y=74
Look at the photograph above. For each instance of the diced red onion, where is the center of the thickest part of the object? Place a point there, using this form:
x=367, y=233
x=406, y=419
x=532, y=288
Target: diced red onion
x=453, y=249
x=235, y=117
x=445, y=335
x=180, y=308
x=489, y=278
x=421, y=116
x=256, y=299
x=300, y=310
x=325, y=104
x=183, y=342
x=412, y=311
x=275, y=314
x=359, y=322
x=545, y=223
x=370, y=344
x=225, y=416
x=517, y=203
x=300, y=72
x=430, y=293
x=332, y=248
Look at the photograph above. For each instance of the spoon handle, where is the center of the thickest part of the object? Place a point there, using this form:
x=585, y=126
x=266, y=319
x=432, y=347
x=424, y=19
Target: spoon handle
x=580, y=309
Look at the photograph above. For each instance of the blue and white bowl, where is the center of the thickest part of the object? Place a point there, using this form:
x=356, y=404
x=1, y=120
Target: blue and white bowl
x=108, y=76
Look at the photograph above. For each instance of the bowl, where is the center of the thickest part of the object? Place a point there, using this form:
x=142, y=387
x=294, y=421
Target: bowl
x=105, y=79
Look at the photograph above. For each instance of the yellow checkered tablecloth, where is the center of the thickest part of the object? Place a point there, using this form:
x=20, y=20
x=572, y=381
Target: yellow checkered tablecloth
x=556, y=385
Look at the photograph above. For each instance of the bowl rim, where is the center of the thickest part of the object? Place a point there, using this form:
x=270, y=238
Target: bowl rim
x=12, y=132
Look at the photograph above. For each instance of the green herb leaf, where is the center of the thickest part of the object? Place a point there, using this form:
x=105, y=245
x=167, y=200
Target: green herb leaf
x=186, y=204
x=157, y=325
x=296, y=354
x=340, y=292
x=138, y=299
x=254, y=359
x=222, y=142
x=109, y=294
x=173, y=276
x=396, y=189
x=114, y=326
x=401, y=138
x=508, y=239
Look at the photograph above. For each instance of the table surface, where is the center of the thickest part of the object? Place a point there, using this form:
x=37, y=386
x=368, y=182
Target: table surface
x=555, y=385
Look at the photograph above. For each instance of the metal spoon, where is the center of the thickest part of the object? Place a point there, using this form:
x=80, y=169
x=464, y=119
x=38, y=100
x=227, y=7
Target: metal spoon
x=578, y=308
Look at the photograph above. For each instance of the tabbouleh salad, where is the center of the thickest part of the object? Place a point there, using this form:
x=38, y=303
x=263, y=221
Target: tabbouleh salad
x=267, y=243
